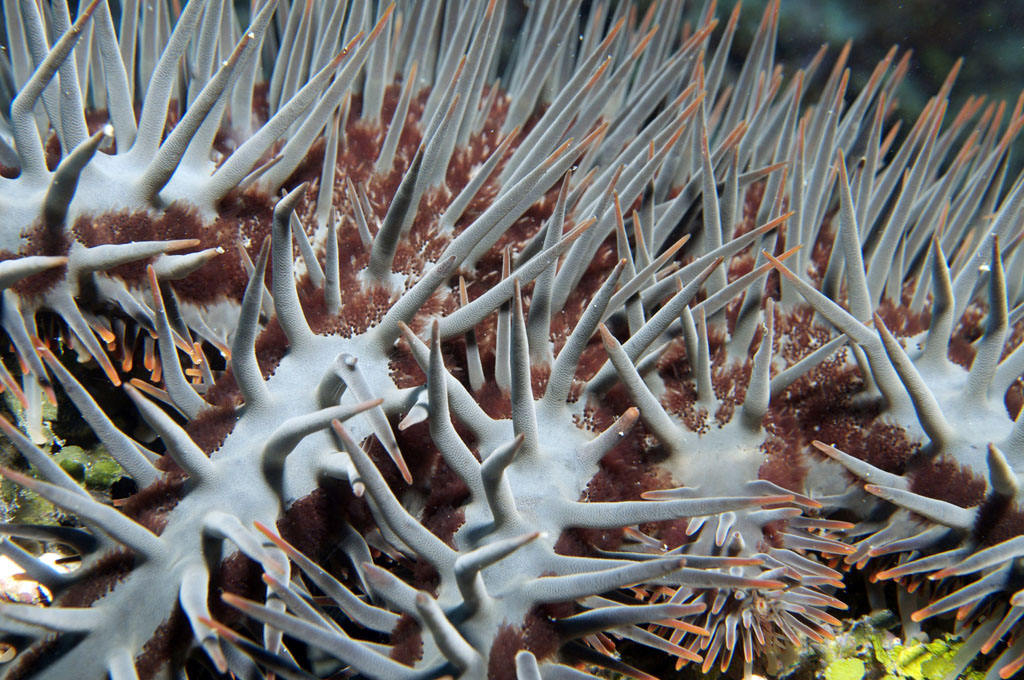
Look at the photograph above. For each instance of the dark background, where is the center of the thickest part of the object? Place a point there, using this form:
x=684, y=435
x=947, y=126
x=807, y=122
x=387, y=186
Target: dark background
x=988, y=34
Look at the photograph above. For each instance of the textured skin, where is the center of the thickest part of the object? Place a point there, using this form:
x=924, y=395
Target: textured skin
x=598, y=396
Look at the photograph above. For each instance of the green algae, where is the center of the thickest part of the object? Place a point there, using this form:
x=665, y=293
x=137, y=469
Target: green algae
x=93, y=468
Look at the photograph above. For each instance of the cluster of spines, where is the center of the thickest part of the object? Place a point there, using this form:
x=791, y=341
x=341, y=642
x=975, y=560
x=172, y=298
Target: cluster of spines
x=880, y=245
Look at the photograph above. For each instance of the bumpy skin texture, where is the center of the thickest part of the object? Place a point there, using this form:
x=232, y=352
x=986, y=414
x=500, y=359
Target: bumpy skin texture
x=541, y=363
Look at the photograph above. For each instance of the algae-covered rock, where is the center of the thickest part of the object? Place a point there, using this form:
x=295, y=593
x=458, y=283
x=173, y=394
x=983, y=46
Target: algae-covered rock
x=845, y=669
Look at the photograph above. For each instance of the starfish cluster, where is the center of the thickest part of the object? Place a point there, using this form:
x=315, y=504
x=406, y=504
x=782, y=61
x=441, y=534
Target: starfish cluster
x=467, y=356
